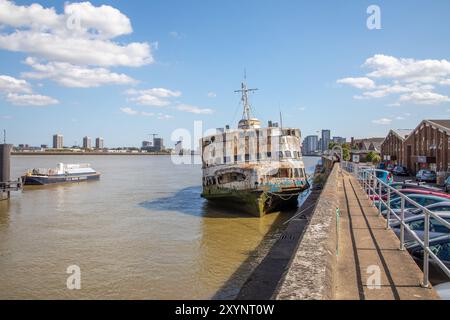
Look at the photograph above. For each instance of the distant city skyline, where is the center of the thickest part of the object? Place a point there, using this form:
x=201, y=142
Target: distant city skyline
x=150, y=69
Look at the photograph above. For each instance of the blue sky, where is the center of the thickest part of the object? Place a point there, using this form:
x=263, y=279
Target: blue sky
x=315, y=61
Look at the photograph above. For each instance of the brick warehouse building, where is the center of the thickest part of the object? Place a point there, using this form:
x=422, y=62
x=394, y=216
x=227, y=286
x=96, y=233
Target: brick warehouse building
x=428, y=146
x=425, y=147
x=392, y=149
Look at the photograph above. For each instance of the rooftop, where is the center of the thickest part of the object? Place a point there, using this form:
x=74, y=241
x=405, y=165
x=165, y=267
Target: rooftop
x=443, y=123
x=402, y=133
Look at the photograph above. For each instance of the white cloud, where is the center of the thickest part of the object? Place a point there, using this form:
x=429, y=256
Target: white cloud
x=108, y=21
x=23, y=16
x=360, y=83
x=6, y=117
x=30, y=100
x=157, y=92
x=149, y=100
x=409, y=70
x=425, y=98
x=9, y=85
x=162, y=116
x=132, y=112
x=46, y=34
x=156, y=97
x=412, y=81
x=69, y=75
x=194, y=109
x=19, y=92
x=76, y=50
x=129, y=111
x=175, y=35
x=382, y=121
x=211, y=94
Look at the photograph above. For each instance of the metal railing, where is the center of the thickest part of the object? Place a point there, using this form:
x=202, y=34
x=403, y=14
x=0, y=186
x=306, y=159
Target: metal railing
x=374, y=187
x=11, y=185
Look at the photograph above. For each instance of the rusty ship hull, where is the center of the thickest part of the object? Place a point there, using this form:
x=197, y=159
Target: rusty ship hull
x=256, y=202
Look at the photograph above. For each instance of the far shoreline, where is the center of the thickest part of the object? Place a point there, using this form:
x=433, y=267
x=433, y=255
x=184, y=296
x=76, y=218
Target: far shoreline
x=90, y=154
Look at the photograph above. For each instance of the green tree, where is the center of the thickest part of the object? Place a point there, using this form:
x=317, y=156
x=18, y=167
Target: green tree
x=373, y=157
x=345, y=149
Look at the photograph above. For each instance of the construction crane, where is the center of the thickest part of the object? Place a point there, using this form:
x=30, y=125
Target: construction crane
x=154, y=136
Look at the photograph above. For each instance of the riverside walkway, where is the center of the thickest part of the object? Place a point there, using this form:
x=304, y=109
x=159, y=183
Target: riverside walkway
x=366, y=248
x=350, y=256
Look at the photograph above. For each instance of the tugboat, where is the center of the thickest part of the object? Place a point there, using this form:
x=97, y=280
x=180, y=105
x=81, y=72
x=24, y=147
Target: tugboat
x=64, y=173
x=259, y=170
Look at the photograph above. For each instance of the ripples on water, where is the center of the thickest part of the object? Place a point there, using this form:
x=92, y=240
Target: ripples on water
x=141, y=232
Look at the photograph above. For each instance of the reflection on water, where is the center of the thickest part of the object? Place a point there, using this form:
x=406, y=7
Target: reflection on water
x=141, y=232
x=189, y=201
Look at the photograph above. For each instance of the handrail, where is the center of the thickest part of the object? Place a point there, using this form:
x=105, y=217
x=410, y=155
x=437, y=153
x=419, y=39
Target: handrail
x=369, y=182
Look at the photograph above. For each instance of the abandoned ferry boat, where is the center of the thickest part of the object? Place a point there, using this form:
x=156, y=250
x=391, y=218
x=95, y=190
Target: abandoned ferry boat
x=259, y=170
x=64, y=173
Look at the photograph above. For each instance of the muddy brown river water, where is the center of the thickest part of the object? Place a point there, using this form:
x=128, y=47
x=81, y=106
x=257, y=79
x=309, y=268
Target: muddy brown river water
x=141, y=232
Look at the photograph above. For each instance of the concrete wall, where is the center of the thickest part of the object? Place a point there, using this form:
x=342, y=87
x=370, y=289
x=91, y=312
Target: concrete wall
x=311, y=273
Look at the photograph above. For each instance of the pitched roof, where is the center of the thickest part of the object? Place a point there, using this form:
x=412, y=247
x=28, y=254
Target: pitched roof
x=376, y=146
x=402, y=133
x=443, y=123
x=364, y=144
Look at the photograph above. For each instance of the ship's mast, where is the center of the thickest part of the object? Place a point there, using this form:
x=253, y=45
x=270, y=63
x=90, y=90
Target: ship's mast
x=247, y=109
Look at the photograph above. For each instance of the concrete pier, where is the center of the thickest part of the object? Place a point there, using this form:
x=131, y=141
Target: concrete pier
x=338, y=255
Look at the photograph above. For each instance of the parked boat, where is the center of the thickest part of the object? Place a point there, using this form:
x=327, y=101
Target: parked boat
x=63, y=173
x=259, y=170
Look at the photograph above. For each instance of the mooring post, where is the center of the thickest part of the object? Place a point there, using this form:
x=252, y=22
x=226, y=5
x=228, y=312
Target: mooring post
x=5, y=170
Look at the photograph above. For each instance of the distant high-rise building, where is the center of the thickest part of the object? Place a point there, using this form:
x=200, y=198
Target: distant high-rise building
x=339, y=140
x=158, y=144
x=146, y=144
x=58, y=141
x=326, y=138
x=179, y=148
x=87, y=143
x=99, y=143
x=310, y=145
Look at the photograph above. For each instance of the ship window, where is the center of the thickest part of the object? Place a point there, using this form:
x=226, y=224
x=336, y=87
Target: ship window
x=280, y=154
x=231, y=177
x=283, y=173
x=247, y=157
x=258, y=156
x=237, y=158
x=269, y=154
x=288, y=154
